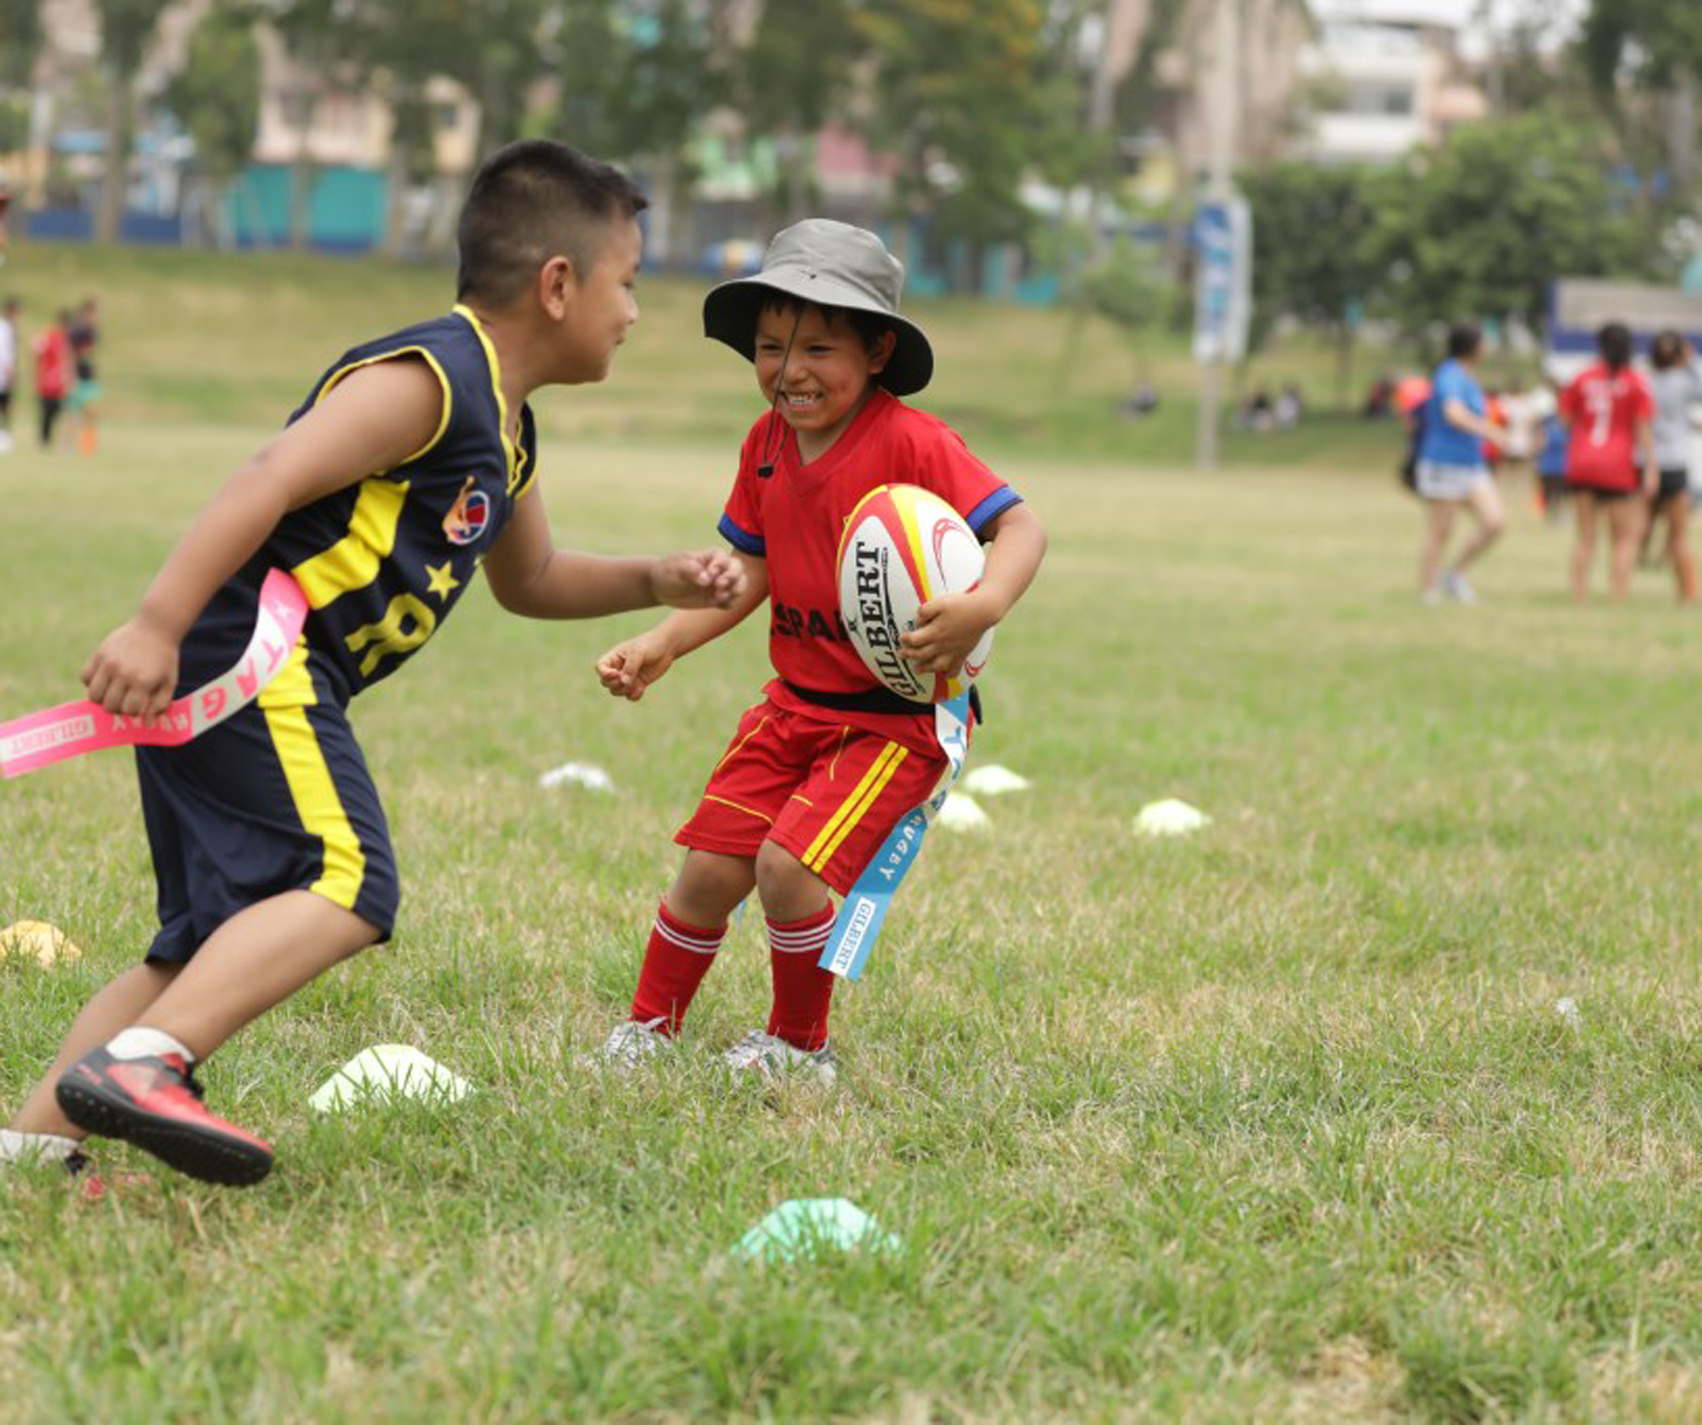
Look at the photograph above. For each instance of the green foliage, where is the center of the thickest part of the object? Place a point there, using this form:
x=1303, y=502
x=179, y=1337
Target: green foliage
x=490, y=47
x=14, y=121
x=955, y=86
x=125, y=29
x=20, y=40
x=1485, y=222
x=1658, y=38
x=1126, y=289
x=584, y=54
x=1315, y=249
x=668, y=72
x=793, y=78
x=126, y=26
x=216, y=95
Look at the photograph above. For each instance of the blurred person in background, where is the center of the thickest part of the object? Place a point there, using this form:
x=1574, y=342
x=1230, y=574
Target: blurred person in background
x=84, y=333
x=1450, y=470
x=1552, y=439
x=52, y=350
x=8, y=368
x=1676, y=386
x=1608, y=410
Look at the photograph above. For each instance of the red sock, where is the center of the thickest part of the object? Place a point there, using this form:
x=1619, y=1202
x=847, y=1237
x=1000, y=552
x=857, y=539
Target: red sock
x=675, y=962
x=802, y=989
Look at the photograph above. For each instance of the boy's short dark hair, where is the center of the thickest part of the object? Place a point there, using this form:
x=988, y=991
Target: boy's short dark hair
x=1667, y=349
x=1464, y=338
x=529, y=202
x=869, y=326
x=1615, y=343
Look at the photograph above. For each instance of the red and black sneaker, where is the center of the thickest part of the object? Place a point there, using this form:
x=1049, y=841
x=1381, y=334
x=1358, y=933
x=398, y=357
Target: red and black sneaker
x=155, y=1103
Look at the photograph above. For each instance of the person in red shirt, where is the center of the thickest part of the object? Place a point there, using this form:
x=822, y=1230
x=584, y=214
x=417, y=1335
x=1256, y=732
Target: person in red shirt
x=1609, y=409
x=827, y=764
x=52, y=349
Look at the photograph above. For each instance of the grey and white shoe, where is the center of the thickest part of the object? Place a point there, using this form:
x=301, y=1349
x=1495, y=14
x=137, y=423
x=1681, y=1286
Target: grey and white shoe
x=771, y=1057
x=629, y=1045
x=1456, y=587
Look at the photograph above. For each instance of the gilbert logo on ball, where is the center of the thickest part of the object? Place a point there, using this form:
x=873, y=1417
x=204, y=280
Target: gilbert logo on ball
x=903, y=546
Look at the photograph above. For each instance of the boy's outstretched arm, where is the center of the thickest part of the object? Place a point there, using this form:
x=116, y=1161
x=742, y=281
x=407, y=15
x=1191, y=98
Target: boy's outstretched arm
x=372, y=420
x=631, y=666
x=530, y=576
x=949, y=627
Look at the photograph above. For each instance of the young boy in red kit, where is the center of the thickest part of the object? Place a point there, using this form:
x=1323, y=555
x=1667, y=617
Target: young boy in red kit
x=820, y=771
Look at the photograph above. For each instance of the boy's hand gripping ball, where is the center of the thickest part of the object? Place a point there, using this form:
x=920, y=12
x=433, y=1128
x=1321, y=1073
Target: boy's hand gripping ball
x=903, y=546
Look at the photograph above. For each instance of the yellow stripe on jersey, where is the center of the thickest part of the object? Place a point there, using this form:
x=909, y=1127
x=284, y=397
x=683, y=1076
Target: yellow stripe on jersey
x=353, y=561
x=854, y=807
x=508, y=446
x=424, y=355
x=284, y=703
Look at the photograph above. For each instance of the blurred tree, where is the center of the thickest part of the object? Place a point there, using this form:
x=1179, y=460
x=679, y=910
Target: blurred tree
x=490, y=48
x=126, y=26
x=956, y=99
x=1483, y=224
x=585, y=52
x=216, y=97
x=1315, y=251
x=791, y=80
x=20, y=41
x=1128, y=289
x=1635, y=48
x=673, y=68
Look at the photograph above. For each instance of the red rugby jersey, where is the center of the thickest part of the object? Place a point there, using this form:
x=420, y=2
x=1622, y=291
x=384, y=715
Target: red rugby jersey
x=794, y=519
x=1603, y=407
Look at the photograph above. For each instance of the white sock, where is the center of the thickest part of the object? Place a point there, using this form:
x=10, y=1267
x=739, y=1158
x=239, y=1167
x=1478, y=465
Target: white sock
x=18, y=1147
x=139, y=1042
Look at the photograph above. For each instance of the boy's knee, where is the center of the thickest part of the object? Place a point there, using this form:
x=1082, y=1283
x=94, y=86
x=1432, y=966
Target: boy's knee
x=778, y=869
x=709, y=885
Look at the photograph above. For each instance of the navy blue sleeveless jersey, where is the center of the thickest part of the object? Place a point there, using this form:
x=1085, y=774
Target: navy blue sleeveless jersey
x=383, y=561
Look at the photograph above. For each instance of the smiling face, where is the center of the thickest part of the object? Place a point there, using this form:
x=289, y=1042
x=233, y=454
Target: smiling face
x=828, y=371
x=600, y=306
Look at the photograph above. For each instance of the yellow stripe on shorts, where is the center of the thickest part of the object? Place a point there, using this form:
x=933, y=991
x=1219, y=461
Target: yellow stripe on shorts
x=855, y=806
x=312, y=788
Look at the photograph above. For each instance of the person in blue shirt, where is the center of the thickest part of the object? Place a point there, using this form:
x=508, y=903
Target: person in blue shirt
x=1451, y=471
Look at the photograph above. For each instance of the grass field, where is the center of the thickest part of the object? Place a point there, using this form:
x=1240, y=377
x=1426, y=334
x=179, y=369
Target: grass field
x=1276, y=1122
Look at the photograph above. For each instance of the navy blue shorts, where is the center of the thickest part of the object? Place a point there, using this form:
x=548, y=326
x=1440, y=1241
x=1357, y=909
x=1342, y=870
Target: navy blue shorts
x=277, y=798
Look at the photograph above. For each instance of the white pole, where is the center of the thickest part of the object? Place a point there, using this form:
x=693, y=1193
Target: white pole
x=1222, y=115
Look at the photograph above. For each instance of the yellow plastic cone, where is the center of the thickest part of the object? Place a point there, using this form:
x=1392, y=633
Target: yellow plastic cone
x=36, y=940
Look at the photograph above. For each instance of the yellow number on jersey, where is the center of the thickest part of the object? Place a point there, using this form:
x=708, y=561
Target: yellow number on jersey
x=406, y=624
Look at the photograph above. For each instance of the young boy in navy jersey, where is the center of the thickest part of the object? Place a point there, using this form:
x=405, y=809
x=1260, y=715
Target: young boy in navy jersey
x=820, y=771
x=411, y=464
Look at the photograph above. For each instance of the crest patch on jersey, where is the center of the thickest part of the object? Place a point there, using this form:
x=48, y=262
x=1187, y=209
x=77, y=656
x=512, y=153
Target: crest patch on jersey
x=468, y=516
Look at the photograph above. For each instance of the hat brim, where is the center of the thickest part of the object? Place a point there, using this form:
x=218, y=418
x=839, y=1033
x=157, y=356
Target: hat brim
x=730, y=312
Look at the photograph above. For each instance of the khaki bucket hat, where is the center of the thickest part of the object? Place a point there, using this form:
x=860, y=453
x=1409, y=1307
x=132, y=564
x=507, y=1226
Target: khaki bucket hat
x=832, y=264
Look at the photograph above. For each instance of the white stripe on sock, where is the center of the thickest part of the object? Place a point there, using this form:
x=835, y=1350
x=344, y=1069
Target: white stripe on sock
x=797, y=942
x=698, y=944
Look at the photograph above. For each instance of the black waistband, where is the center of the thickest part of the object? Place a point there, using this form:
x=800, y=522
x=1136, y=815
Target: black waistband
x=876, y=700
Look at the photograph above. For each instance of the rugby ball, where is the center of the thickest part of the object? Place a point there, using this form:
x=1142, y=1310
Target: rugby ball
x=903, y=546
